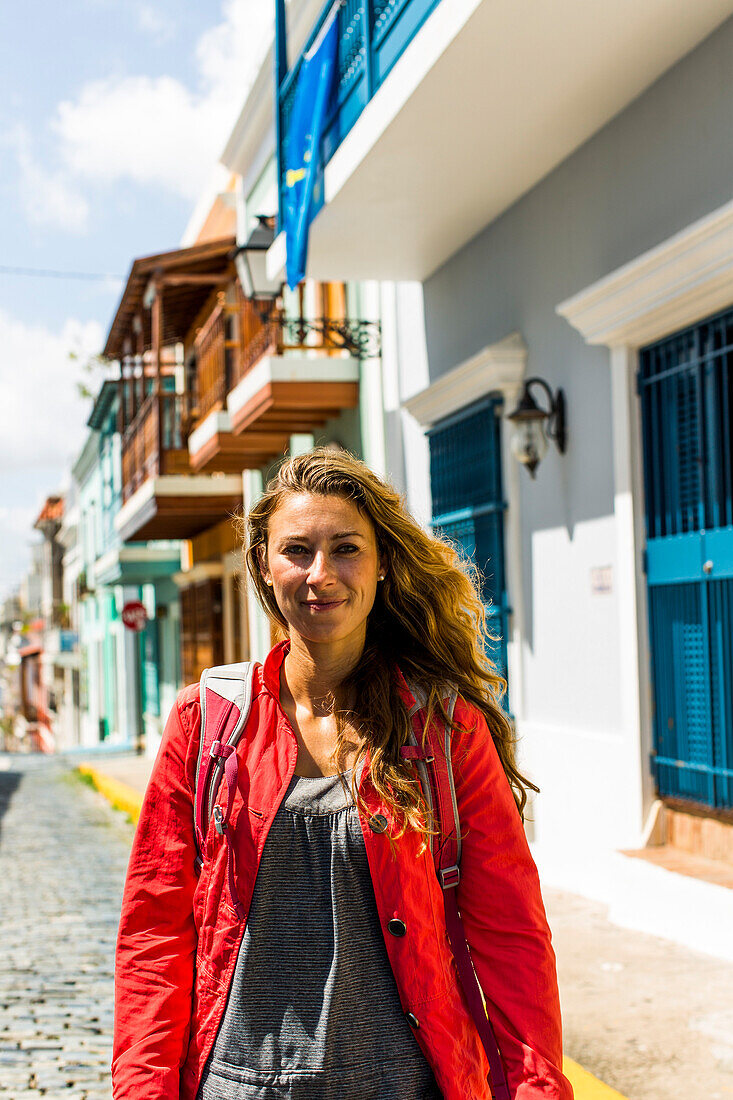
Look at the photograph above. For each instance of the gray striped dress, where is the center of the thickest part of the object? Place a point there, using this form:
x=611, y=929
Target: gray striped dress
x=313, y=1011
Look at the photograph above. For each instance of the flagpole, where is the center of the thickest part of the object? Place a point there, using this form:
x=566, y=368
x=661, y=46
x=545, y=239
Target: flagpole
x=324, y=29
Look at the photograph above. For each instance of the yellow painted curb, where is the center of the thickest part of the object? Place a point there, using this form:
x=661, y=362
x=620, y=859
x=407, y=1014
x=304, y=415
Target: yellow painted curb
x=118, y=794
x=585, y=1085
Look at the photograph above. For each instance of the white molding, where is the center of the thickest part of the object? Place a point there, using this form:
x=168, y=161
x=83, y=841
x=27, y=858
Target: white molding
x=177, y=485
x=630, y=583
x=296, y=367
x=682, y=280
x=215, y=422
x=497, y=367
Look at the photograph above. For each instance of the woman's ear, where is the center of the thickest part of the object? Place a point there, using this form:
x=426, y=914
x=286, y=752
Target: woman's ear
x=262, y=561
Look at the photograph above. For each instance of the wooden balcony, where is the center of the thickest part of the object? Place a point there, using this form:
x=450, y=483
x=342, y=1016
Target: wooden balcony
x=232, y=340
x=215, y=348
x=153, y=444
x=281, y=376
x=167, y=299
x=160, y=498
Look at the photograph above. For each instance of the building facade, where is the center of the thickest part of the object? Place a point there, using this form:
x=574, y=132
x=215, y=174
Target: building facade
x=124, y=670
x=546, y=196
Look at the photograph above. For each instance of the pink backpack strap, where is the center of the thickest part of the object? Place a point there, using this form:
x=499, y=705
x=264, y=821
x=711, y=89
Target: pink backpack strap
x=433, y=759
x=226, y=697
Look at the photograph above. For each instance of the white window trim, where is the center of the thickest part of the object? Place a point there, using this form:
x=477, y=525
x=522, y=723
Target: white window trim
x=496, y=368
x=681, y=281
x=678, y=283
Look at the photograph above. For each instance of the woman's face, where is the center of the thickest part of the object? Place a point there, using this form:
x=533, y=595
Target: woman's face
x=323, y=565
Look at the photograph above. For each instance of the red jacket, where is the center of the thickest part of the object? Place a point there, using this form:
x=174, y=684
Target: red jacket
x=179, y=936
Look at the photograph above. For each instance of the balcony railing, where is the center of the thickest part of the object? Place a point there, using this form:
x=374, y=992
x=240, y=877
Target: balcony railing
x=235, y=338
x=373, y=35
x=216, y=349
x=154, y=443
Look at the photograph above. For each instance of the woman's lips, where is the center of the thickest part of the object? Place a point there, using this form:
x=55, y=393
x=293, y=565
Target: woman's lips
x=323, y=605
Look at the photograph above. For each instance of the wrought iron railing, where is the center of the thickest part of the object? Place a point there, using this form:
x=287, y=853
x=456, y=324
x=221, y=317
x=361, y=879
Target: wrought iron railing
x=359, y=338
x=264, y=330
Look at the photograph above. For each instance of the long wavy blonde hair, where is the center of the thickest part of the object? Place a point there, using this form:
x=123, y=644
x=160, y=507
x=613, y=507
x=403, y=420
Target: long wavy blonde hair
x=428, y=619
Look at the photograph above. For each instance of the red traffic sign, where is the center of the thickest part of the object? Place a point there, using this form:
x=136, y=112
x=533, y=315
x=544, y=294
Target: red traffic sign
x=134, y=615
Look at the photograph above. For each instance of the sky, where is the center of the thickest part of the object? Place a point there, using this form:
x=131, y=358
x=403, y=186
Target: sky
x=112, y=117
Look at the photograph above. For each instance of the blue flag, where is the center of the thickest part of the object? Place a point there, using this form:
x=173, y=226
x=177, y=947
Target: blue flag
x=305, y=131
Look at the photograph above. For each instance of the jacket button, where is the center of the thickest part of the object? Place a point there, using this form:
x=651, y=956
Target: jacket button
x=397, y=927
x=378, y=823
x=412, y=1020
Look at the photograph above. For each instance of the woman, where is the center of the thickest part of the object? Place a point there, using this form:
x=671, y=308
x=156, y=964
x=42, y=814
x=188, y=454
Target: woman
x=340, y=981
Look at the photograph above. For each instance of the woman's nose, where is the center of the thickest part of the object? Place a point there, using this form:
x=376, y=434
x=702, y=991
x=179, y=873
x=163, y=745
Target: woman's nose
x=320, y=569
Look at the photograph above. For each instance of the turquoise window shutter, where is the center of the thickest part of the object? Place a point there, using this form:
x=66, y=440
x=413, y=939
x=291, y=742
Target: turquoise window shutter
x=469, y=507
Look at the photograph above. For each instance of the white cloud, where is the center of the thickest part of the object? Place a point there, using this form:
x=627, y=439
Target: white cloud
x=153, y=129
x=48, y=197
x=153, y=22
x=229, y=54
x=148, y=129
x=16, y=533
x=42, y=416
x=42, y=426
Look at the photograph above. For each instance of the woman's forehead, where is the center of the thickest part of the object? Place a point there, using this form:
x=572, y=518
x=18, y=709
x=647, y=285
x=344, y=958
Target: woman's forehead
x=298, y=513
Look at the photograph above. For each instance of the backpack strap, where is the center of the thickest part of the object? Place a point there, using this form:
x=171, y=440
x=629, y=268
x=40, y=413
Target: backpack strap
x=432, y=756
x=226, y=697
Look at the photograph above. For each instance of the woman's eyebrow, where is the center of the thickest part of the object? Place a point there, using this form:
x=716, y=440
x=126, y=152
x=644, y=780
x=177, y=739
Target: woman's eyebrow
x=339, y=535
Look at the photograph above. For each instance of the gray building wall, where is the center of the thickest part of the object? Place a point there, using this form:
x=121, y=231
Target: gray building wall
x=663, y=163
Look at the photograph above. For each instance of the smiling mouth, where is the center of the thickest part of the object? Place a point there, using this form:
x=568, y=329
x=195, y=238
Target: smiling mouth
x=323, y=605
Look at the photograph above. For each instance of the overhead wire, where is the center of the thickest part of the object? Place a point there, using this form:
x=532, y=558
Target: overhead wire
x=50, y=273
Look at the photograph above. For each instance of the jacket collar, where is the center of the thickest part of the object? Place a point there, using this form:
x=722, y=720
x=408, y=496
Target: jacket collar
x=272, y=666
x=278, y=653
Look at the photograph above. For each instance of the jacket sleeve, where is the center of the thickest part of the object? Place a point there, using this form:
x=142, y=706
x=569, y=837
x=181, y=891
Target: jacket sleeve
x=156, y=945
x=504, y=919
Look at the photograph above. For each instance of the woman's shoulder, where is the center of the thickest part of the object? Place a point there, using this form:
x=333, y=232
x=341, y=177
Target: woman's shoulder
x=188, y=707
x=187, y=696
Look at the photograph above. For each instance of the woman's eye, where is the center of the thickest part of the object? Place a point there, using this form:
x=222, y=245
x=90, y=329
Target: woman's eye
x=295, y=550
x=348, y=548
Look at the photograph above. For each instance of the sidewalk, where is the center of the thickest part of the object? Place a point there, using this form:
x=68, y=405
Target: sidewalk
x=121, y=779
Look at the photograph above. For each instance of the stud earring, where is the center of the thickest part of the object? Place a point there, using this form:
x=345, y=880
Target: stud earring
x=380, y=577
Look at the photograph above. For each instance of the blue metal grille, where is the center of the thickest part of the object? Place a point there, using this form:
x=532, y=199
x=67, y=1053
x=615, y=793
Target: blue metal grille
x=373, y=35
x=468, y=507
x=686, y=388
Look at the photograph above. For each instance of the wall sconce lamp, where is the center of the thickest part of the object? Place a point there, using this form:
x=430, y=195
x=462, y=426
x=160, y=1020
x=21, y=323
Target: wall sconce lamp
x=251, y=264
x=533, y=426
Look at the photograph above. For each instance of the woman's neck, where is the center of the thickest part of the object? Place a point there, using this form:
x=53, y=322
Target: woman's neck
x=314, y=672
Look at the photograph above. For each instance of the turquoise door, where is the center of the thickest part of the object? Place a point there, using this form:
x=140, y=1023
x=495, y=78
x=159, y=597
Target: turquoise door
x=686, y=389
x=469, y=505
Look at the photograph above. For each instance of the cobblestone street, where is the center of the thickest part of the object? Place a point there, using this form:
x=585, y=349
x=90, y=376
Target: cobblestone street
x=63, y=855
x=643, y=1014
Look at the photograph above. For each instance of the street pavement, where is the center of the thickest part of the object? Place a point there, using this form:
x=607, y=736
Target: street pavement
x=63, y=854
x=646, y=1016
